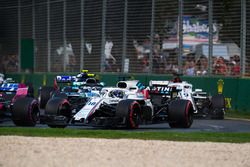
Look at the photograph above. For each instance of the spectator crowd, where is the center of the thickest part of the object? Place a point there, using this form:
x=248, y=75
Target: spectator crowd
x=220, y=66
x=166, y=61
x=8, y=63
x=163, y=61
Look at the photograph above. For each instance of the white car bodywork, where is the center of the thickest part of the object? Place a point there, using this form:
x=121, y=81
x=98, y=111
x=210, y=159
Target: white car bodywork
x=126, y=90
x=183, y=88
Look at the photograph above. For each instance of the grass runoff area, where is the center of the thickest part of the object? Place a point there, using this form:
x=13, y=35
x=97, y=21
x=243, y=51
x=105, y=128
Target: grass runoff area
x=238, y=114
x=229, y=137
x=128, y=134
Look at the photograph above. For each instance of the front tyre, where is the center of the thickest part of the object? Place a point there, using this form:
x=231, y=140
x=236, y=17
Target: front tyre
x=180, y=114
x=129, y=110
x=58, y=112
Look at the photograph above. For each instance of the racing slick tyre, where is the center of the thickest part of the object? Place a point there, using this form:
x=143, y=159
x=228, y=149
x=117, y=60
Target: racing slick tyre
x=147, y=114
x=180, y=114
x=57, y=112
x=25, y=112
x=217, y=107
x=45, y=94
x=131, y=111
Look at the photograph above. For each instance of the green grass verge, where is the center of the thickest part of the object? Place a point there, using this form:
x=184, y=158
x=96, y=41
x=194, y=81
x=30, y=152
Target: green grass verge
x=238, y=114
x=124, y=134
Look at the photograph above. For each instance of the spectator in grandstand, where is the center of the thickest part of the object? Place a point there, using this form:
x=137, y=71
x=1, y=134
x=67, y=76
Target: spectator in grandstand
x=202, y=66
x=110, y=60
x=157, y=46
x=220, y=67
x=159, y=59
x=172, y=64
x=3, y=64
x=14, y=59
x=235, y=70
x=147, y=45
x=143, y=52
x=66, y=54
x=139, y=50
x=189, y=66
x=9, y=63
x=145, y=67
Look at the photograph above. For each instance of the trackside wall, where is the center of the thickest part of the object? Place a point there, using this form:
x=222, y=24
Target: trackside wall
x=236, y=90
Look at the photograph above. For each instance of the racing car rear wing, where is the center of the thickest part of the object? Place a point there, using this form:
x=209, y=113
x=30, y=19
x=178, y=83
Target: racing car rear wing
x=9, y=87
x=166, y=90
x=159, y=89
x=65, y=78
x=163, y=83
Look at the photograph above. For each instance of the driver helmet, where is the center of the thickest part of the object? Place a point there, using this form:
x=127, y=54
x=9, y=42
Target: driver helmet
x=118, y=93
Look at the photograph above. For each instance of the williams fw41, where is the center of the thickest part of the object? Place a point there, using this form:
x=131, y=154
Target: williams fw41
x=122, y=106
x=203, y=105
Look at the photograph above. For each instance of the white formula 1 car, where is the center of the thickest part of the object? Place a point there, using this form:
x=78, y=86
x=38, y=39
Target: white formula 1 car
x=202, y=104
x=121, y=106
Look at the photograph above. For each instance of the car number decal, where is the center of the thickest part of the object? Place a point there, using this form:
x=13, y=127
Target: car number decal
x=91, y=103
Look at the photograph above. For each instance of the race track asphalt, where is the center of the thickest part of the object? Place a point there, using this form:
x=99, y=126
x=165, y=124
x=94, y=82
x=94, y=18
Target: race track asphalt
x=199, y=125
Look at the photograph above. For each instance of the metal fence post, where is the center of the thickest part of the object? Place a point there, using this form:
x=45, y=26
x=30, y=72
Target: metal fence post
x=34, y=33
x=48, y=36
x=104, y=8
x=19, y=35
x=152, y=37
x=243, y=39
x=124, y=44
x=82, y=34
x=64, y=36
x=180, y=30
x=210, y=36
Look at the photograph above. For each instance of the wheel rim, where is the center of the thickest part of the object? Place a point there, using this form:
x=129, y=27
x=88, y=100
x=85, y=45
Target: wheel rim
x=189, y=116
x=35, y=116
x=34, y=113
x=134, y=116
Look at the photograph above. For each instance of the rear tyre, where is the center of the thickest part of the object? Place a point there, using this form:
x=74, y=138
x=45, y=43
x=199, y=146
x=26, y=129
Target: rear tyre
x=25, y=112
x=180, y=113
x=217, y=107
x=45, y=94
x=147, y=113
x=129, y=110
x=58, y=112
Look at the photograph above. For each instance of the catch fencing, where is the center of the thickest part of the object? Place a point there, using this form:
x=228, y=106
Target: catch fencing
x=193, y=37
